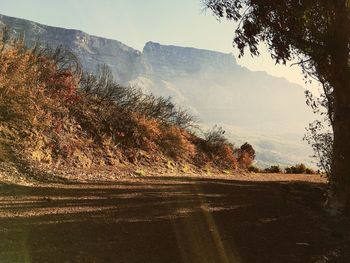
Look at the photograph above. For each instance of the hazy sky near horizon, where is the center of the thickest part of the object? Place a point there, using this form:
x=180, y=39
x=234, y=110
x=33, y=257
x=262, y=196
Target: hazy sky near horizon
x=135, y=22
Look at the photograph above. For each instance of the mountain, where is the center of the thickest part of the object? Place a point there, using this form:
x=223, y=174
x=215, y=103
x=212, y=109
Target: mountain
x=267, y=111
x=92, y=51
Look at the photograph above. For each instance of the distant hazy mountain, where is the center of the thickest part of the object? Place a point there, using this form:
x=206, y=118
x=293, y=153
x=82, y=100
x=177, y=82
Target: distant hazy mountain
x=252, y=106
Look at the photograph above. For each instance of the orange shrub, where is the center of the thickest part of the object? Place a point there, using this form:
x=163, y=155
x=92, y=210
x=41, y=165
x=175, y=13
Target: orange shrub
x=245, y=155
x=176, y=143
x=145, y=133
x=225, y=157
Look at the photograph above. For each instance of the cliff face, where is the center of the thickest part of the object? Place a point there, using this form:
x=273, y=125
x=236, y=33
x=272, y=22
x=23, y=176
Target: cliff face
x=174, y=61
x=124, y=61
x=211, y=84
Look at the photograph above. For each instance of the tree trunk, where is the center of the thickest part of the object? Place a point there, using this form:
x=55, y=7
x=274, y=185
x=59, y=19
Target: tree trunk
x=339, y=198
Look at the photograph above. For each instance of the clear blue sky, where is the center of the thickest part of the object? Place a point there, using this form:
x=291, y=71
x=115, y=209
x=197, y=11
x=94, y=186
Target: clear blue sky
x=134, y=22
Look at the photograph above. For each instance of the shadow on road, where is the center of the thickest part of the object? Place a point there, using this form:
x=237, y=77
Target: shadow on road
x=169, y=220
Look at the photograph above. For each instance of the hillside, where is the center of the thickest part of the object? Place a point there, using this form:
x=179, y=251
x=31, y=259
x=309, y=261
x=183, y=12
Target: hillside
x=250, y=105
x=54, y=116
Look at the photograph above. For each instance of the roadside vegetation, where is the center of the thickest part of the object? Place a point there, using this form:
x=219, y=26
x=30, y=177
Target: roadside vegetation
x=54, y=115
x=294, y=169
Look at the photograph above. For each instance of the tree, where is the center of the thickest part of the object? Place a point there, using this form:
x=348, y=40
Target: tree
x=316, y=33
x=246, y=155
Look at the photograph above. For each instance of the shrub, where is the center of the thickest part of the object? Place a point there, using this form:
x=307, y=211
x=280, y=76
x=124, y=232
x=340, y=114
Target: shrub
x=38, y=86
x=107, y=92
x=215, y=137
x=273, y=169
x=176, y=143
x=225, y=157
x=245, y=155
x=296, y=169
x=254, y=169
x=218, y=150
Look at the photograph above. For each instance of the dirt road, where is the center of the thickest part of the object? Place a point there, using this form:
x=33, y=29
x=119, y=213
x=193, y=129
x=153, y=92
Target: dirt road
x=171, y=220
